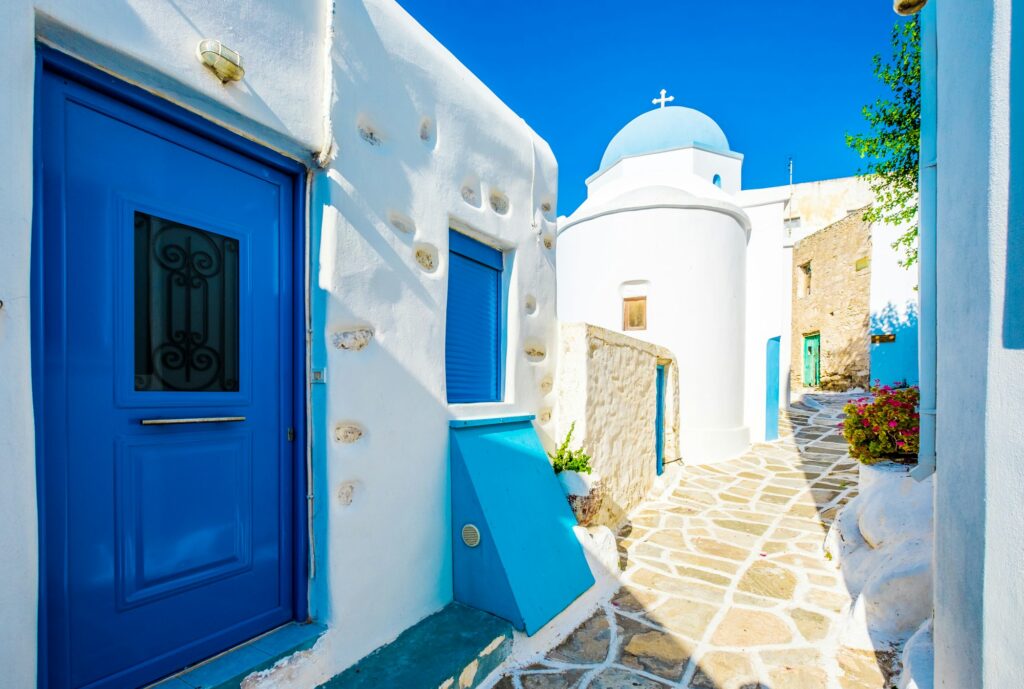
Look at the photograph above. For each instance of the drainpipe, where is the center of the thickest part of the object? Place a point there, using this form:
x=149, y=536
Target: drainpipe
x=926, y=244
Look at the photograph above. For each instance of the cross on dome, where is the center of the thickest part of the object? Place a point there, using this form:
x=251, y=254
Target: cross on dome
x=663, y=100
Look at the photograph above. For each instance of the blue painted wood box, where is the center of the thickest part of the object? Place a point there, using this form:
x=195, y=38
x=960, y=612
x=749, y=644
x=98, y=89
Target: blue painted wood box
x=522, y=561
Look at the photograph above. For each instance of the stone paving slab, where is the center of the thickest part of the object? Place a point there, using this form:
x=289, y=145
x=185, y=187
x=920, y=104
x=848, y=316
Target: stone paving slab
x=725, y=584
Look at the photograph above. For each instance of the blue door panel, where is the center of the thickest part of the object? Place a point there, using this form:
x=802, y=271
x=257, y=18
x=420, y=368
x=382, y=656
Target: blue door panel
x=659, y=420
x=473, y=335
x=771, y=387
x=164, y=544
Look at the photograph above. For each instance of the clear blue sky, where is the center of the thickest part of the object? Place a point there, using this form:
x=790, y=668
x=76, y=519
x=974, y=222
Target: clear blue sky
x=781, y=77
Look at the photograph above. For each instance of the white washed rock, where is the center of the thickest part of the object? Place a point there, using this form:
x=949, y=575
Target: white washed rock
x=352, y=340
x=919, y=660
x=575, y=483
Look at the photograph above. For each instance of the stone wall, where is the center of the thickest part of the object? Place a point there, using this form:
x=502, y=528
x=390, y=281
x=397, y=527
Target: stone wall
x=838, y=306
x=607, y=386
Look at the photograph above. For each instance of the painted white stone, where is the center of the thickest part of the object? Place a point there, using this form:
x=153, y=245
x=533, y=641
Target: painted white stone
x=918, y=660
x=352, y=340
x=348, y=432
x=882, y=544
x=575, y=483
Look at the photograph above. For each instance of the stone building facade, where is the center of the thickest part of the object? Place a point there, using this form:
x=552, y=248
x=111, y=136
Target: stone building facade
x=831, y=298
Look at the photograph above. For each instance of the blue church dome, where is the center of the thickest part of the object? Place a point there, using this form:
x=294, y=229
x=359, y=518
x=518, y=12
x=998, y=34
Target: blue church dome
x=662, y=130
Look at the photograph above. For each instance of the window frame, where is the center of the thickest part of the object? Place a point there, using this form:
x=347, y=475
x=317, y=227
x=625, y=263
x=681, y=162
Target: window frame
x=626, y=302
x=805, y=276
x=470, y=248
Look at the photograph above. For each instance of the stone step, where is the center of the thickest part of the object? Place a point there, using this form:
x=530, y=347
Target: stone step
x=455, y=648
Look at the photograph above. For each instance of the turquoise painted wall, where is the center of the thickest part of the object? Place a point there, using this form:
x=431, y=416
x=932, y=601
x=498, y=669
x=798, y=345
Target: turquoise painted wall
x=897, y=361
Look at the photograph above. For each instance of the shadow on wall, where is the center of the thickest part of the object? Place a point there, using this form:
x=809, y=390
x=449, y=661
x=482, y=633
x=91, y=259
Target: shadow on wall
x=1013, y=310
x=847, y=365
x=896, y=360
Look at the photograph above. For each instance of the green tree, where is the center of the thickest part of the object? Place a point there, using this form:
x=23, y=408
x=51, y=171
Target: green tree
x=892, y=148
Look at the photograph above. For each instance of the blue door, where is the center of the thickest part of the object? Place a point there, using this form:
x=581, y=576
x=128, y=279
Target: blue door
x=659, y=420
x=163, y=364
x=771, y=389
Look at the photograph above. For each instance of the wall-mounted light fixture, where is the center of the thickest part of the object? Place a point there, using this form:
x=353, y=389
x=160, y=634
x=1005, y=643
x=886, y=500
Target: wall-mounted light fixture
x=221, y=60
x=908, y=7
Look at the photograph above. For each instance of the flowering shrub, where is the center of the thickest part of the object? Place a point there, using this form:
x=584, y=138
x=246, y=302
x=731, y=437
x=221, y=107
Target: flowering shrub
x=885, y=426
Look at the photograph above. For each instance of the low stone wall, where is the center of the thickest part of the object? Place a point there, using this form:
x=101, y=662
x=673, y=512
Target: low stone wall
x=607, y=386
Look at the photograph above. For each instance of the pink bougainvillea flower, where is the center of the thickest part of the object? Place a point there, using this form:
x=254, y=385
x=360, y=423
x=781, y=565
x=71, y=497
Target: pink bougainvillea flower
x=900, y=443
x=893, y=424
x=865, y=422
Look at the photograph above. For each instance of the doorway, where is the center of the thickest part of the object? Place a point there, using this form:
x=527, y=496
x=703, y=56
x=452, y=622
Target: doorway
x=169, y=405
x=812, y=360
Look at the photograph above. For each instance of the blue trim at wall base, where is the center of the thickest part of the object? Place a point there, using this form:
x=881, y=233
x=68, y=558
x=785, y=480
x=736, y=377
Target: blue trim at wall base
x=227, y=670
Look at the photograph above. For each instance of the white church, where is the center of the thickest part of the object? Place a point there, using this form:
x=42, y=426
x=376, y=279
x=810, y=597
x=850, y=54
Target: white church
x=671, y=249
x=668, y=248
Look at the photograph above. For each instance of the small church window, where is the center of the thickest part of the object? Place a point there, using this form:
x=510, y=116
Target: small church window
x=805, y=280
x=717, y=181
x=634, y=313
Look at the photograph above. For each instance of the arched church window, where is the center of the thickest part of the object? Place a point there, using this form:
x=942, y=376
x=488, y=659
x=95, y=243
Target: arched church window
x=717, y=181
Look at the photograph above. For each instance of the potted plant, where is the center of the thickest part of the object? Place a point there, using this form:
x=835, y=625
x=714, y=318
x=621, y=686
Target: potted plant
x=884, y=427
x=574, y=473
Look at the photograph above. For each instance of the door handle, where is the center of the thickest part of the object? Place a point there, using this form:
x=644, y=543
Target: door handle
x=201, y=419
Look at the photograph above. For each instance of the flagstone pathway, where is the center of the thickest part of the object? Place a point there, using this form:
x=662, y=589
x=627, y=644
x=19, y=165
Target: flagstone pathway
x=725, y=582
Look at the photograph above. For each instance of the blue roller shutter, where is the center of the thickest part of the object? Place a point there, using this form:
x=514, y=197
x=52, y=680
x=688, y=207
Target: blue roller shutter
x=473, y=332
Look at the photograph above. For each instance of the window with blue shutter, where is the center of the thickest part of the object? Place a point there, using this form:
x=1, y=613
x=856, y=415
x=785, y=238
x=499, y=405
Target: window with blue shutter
x=473, y=332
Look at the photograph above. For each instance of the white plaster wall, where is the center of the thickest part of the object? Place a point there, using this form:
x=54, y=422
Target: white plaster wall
x=282, y=44
x=767, y=280
x=387, y=556
x=695, y=263
x=707, y=164
x=691, y=169
x=891, y=283
x=979, y=597
x=18, y=530
x=388, y=545
x=607, y=385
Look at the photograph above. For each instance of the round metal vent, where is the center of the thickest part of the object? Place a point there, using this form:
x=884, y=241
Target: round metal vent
x=471, y=535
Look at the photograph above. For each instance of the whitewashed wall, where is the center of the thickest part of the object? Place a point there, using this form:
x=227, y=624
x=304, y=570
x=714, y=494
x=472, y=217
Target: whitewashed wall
x=18, y=520
x=386, y=560
x=680, y=168
x=979, y=596
x=767, y=283
x=689, y=253
x=439, y=136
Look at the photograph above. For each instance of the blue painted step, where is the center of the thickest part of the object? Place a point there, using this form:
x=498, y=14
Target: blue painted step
x=456, y=641
x=227, y=670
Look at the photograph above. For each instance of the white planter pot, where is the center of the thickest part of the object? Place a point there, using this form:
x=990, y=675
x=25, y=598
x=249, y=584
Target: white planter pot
x=577, y=484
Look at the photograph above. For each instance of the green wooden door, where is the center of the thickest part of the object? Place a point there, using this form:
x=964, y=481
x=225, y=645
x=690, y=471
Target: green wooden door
x=812, y=360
